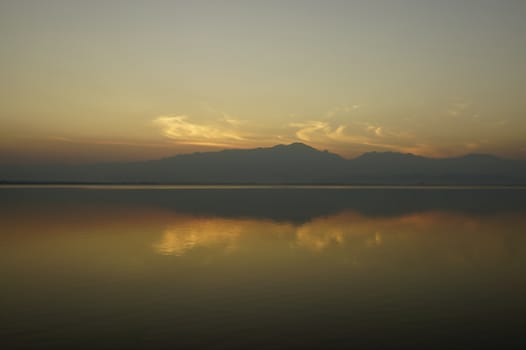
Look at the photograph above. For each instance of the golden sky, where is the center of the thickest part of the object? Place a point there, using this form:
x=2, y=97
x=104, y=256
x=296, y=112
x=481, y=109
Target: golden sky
x=86, y=81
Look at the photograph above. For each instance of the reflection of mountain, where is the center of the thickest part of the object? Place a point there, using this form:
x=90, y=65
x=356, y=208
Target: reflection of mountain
x=297, y=205
x=285, y=164
x=313, y=219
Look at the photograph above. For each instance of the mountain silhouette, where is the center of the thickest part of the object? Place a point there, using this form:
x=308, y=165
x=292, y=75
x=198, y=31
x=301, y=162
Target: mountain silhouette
x=295, y=163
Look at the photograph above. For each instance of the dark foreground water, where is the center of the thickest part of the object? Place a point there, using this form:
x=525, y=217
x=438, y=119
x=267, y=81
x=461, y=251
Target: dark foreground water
x=125, y=268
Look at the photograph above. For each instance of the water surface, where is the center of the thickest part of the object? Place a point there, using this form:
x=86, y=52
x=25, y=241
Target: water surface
x=96, y=267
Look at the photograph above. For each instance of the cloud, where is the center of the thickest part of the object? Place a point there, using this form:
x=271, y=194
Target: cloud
x=341, y=110
x=355, y=137
x=224, y=116
x=373, y=136
x=376, y=130
x=311, y=130
x=225, y=131
x=232, y=121
x=458, y=108
x=472, y=146
x=346, y=137
x=181, y=129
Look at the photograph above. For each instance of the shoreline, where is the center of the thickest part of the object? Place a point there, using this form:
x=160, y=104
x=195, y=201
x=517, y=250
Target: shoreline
x=125, y=186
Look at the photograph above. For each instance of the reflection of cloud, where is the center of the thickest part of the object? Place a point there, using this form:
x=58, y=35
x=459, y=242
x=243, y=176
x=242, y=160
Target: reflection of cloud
x=179, y=239
x=307, y=236
x=342, y=229
x=376, y=240
x=191, y=233
x=353, y=234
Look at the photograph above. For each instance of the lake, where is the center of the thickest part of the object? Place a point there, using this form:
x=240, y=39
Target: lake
x=247, y=267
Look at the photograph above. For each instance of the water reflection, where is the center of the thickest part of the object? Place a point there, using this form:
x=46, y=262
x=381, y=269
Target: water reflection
x=458, y=237
x=180, y=238
x=143, y=270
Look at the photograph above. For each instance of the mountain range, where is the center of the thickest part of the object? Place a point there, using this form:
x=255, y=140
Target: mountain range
x=295, y=163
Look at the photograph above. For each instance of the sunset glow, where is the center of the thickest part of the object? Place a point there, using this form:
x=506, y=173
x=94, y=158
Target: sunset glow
x=88, y=81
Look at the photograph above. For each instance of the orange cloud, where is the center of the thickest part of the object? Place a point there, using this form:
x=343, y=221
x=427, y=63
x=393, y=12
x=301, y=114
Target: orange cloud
x=181, y=129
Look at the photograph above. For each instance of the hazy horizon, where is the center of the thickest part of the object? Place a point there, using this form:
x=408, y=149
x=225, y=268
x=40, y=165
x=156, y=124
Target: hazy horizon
x=22, y=162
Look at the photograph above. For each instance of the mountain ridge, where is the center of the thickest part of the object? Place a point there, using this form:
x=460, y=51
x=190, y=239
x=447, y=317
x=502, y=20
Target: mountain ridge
x=295, y=163
x=298, y=145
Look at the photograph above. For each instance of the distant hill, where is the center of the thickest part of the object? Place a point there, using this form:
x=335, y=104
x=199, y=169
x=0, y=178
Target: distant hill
x=296, y=163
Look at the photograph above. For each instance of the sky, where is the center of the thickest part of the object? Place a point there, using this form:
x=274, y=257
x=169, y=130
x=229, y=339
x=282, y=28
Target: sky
x=97, y=81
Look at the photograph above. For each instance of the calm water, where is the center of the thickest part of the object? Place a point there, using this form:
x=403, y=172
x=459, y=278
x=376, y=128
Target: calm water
x=101, y=268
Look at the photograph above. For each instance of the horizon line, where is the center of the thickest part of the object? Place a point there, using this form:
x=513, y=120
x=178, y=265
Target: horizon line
x=296, y=143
